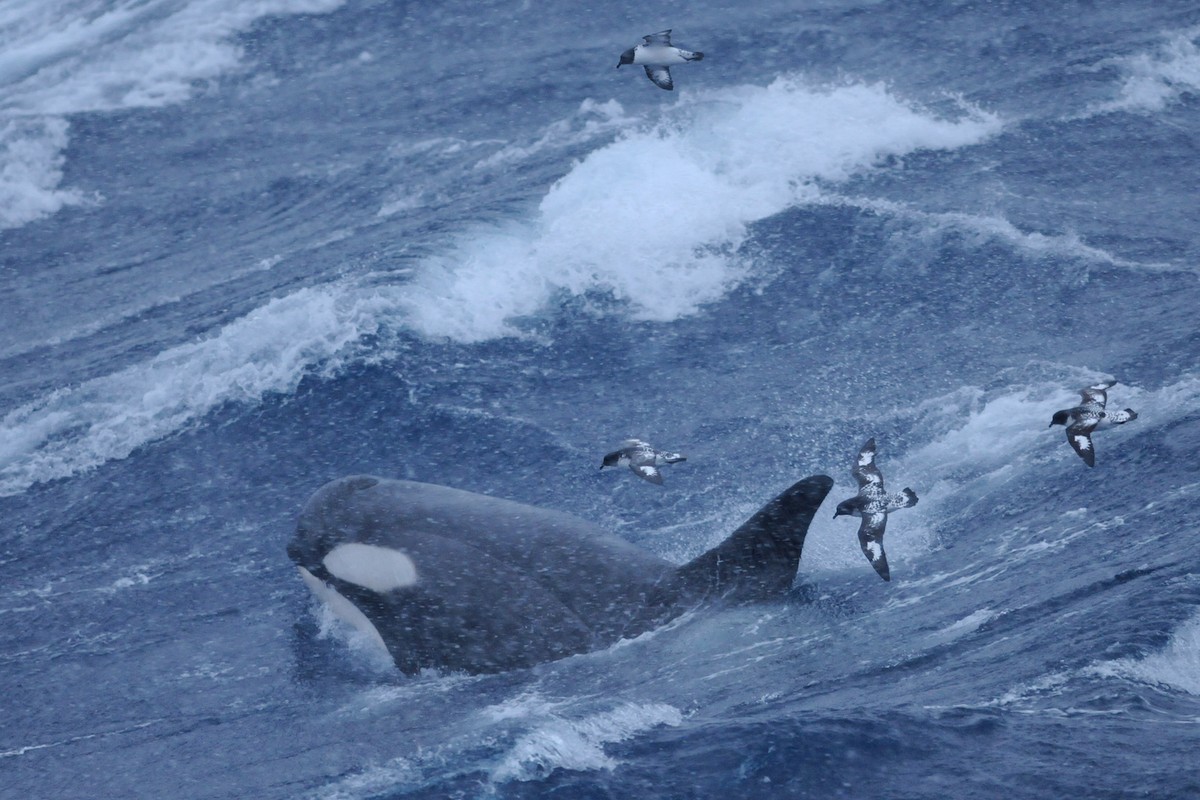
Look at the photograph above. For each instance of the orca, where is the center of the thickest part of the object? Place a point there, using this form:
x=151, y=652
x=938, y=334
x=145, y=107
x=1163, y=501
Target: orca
x=457, y=581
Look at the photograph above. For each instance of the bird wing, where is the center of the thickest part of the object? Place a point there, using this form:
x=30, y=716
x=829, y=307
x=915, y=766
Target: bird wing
x=1080, y=437
x=642, y=453
x=865, y=471
x=662, y=38
x=661, y=77
x=870, y=538
x=1096, y=395
x=648, y=471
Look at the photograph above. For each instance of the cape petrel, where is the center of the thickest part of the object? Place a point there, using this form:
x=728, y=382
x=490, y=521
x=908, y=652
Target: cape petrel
x=1089, y=416
x=643, y=459
x=873, y=505
x=657, y=55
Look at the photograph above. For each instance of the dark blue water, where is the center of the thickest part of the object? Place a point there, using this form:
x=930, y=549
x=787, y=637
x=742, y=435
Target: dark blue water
x=247, y=247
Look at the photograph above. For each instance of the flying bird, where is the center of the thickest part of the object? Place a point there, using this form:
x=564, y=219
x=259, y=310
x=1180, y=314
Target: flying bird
x=873, y=505
x=643, y=459
x=1089, y=416
x=657, y=55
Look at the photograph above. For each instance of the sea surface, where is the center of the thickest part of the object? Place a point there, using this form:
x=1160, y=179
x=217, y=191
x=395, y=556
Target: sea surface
x=249, y=246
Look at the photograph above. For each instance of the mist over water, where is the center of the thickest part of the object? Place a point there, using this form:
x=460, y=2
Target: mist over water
x=251, y=247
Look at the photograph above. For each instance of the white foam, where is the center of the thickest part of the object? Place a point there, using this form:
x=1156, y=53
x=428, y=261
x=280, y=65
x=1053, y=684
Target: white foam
x=976, y=439
x=988, y=437
x=137, y=579
x=964, y=626
x=579, y=744
x=981, y=441
x=60, y=57
x=269, y=350
x=1177, y=665
x=655, y=218
x=978, y=229
x=987, y=442
x=526, y=705
x=31, y=163
x=73, y=56
x=1154, y=80
x=372, y=782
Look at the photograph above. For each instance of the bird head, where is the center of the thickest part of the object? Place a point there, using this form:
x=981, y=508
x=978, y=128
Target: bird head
x=626, y=58
x=844, y=507
x=611, y=459
x=1060, y=418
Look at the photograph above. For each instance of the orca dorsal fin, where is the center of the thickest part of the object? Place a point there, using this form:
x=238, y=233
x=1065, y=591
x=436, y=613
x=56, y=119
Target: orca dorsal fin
x=759, y=560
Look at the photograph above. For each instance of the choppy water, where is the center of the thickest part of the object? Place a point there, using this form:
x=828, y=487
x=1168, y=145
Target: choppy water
x=246, y=247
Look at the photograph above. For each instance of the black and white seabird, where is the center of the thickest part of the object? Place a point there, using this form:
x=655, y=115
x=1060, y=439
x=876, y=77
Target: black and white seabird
x=1089, y=416
x=643, y=459
x=657, y=54
x=873, y=505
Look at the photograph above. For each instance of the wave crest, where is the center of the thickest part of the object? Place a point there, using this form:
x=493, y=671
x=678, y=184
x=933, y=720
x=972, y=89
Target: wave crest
x=655, y=219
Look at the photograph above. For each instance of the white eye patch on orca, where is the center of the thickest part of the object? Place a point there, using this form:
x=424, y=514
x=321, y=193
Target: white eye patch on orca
x=379, y=569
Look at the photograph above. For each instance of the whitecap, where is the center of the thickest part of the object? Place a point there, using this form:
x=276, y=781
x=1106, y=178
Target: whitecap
x=1176, y=666
x=63, y=57
x=561, y=743
x=31, y=162
x=1151, y=81
x=981, y=228
x=268, y=350
x=654, y=219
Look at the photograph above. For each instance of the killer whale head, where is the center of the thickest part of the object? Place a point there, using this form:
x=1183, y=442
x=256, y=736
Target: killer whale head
x=452, y=580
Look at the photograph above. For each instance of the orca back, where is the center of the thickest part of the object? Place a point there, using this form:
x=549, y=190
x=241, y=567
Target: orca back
x=455, y=580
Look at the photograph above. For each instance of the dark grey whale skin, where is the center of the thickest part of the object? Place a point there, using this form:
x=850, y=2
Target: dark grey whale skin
x=503, y=585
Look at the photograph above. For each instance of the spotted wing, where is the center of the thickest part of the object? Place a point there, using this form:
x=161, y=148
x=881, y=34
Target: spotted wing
x=865, y=471
x=661, y=38
x=661, y=77
x=1096, y=396
x=870, y=538
x=641, y=453
x=648, y=471
x=1080, y=437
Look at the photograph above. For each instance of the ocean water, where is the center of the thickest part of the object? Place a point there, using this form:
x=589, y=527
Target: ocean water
x=248, y=246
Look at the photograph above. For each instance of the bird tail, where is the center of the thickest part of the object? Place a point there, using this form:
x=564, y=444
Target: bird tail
x=1128, y=415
